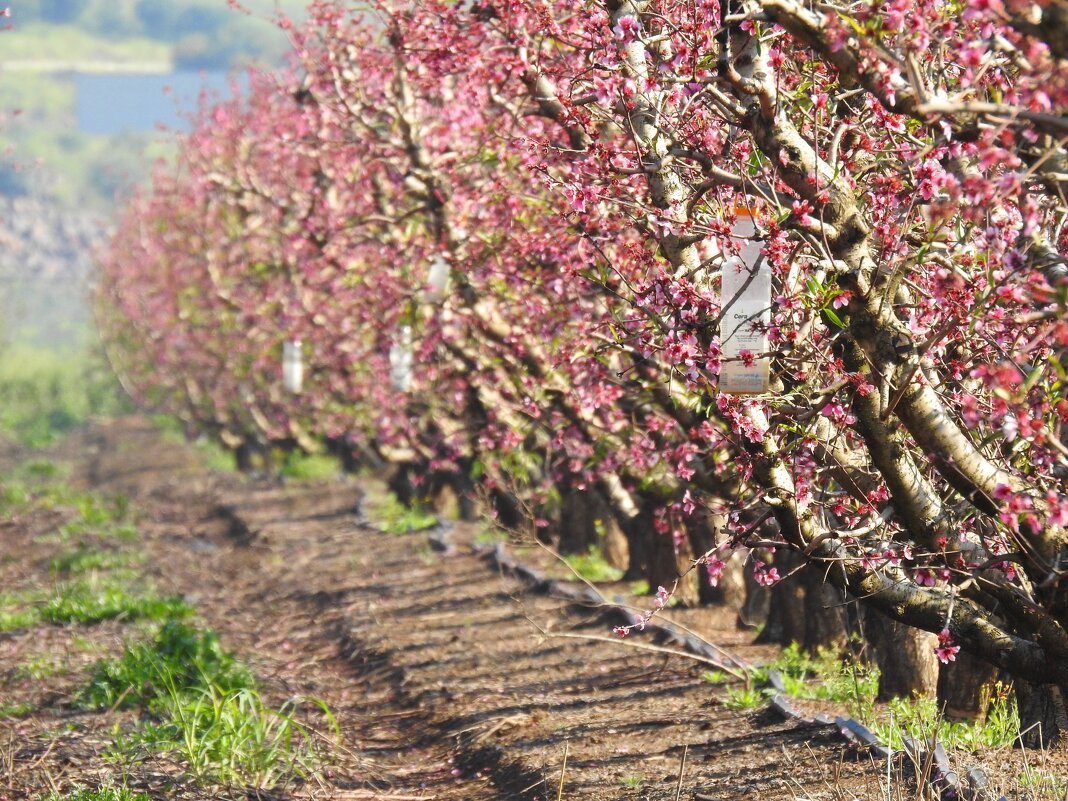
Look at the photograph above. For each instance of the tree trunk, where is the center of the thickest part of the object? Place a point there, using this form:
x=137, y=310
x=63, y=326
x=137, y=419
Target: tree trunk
x=586, y=522
x=702, y=530
x=905, y=656
x=826, y=621
x=638, y=532
x=1043, y=715
x=243, y=458
x=577, y=532
x=964, y=688
x=668, y=561
x=786, y=603
x=755, y=610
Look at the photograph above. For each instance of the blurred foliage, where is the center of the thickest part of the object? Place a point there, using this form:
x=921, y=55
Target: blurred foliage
x=44, y=153
x=194, y=34
x=39, y=41
x=45, y=393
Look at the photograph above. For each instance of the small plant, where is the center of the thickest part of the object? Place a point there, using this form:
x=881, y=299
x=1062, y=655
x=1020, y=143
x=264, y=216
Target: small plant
x=298, y=466
x=632, y=782
x=490, y=535
x=179, y=658
x=744, y=698
x=919, y=718
x=592, y=566
x=42, y=469
x=41, y=667
x=229, y=737
x=100, y=794
x=393, y=517
x=714, y=677
x=88, y=601
x=640, y=587
x=85, y=560
x=15, y=710
x=12, y=619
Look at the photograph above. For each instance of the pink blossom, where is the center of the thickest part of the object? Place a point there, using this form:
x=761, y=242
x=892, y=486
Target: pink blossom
x=946, y=651
x=661, y=597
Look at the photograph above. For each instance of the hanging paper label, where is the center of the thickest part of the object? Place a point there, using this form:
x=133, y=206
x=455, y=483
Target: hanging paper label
x=292, y=367
x=745, y=314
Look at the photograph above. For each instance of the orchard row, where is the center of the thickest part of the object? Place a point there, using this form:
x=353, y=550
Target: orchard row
x=535, y=248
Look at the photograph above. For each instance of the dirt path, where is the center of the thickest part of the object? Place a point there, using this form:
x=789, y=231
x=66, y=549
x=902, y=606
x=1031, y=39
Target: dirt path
x=448, y=680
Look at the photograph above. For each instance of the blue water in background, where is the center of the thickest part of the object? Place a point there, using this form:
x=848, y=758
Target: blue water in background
x=110, y=104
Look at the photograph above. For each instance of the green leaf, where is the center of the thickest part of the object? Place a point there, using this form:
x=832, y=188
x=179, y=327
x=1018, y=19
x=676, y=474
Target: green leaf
x=832, y=315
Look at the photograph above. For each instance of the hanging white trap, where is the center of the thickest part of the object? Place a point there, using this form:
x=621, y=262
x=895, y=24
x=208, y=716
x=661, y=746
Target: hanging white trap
x=292, y=367
x=745, y=313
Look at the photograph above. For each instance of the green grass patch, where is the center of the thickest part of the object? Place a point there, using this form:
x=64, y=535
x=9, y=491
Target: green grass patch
x=490, y=535
x=99, y=794
x=42, y=666
x=36, y=469
x=920, y=718
x=180, y=658
x=229, y=737
x=215, y=456
x=744, y=698
x=8, y=710
x=84, y=559
x=203, y=711
x=393, y=517
x=18, y=611
x=592, y=566
x=854, y=686
x=92, y=600
x=298, y=466
x=46, y=393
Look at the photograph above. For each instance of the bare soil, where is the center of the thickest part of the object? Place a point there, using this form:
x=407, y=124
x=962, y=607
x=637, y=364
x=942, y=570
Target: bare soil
x=448, y=679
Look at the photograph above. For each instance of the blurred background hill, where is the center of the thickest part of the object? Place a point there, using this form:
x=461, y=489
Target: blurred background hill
x=92, y=93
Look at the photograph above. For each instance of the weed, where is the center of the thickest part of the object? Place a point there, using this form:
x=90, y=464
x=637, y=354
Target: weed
x=88, y=601
x=1042, y=783
x=229, y=737
x=42, y=469
x=854, y=685
x=179, y=658
x=100, y=794
x=216, y=458
x=85, y=560
x=12, y=619
x=714, y=677
x=204, y=710
x=919, y=718
x=490, y=535
x=393, y=517
x=14, y=496
x=15, y=710
x=744, y=698
x=40, y=667
x=632, y=782
x=309, y=467
x=640, y=587
x=592, y=566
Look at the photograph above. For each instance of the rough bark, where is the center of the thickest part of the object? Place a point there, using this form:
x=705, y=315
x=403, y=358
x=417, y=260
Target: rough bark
x=964, y=688
x=1043, y=714
x=668, y=563
x=905, y=657
x=786, y=611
